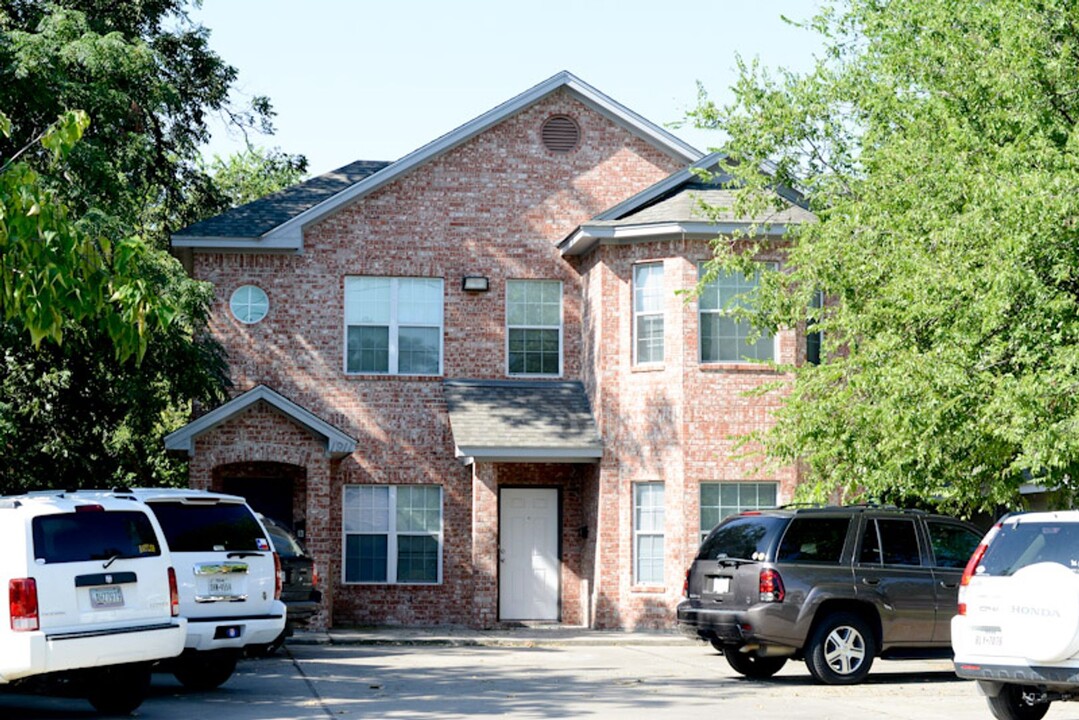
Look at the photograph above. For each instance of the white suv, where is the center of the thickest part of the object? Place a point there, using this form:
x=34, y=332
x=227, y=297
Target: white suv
x=229, y=578
x=1017, y=631
x=91, y=596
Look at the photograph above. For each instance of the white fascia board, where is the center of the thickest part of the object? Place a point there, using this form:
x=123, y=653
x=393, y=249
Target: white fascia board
x=285, y=243
x=667, y=184
x=582, y=90
x=588, y=236
x=473, y=454
x=338, y=444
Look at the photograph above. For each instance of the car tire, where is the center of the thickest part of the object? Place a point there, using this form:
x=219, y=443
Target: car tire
x=118, y=689
x=1010, y=705
x=205, y=670
x=841, y=649
x=752, y=665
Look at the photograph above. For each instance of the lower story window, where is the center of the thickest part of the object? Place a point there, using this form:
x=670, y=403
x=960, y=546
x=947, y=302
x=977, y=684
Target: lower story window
x=648, y=533
x=721, y=499
x=393, y=533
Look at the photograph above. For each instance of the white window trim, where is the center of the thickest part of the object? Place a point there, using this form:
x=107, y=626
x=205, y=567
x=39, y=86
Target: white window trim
x=740, y=507
x=561, y=328
x=391, y=539
x=635, y=314
x=720, y=311
x=637, y=581
x=394, y=328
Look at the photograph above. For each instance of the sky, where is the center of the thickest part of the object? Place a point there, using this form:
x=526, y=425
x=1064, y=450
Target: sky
x=360, y=80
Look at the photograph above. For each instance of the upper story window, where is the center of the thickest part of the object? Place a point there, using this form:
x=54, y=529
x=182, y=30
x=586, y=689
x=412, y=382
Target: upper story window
x=249, y=304
x=725, y=338
x=393, y=325
x=648, y=313
x=534, y=327
x=814, y=337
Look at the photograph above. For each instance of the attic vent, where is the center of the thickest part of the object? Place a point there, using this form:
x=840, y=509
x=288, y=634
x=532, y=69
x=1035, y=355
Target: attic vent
x=560, y=134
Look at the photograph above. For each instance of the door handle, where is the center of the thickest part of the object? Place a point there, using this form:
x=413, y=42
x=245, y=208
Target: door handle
x=871, y=581
x=950, y=586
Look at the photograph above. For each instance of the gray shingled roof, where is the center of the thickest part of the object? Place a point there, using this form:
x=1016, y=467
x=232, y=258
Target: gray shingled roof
x=684, y=205
x=515, y=421
x=260, y=216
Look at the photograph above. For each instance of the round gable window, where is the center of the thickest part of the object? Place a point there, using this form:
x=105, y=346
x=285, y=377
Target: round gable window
x=249, y=304
x=560, y=134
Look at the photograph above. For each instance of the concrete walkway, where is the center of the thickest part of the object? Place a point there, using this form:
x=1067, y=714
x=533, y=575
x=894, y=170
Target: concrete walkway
x=541, y=636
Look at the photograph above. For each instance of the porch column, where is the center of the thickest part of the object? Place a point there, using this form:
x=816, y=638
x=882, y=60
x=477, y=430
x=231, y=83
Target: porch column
x=484, y=545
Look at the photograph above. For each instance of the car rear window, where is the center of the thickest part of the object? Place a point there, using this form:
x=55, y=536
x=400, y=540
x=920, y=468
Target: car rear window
x=814, y=540
x=743, y=537
x=1017, y=545
x=203, y=527
x=283, y=542
x=82, y=536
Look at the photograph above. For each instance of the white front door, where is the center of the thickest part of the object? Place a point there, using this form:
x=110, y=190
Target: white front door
x=528, y=556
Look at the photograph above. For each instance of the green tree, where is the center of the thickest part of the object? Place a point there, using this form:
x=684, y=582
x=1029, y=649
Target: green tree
x=937, y=143
x=254, y=173
x=73, y=413
x=54, y=272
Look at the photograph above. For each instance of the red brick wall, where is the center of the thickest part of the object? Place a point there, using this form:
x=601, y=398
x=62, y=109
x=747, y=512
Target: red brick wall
x=495, y=206
x=672, y=424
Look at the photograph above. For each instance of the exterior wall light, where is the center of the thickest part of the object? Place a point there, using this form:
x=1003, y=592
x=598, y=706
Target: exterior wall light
x=475, y=283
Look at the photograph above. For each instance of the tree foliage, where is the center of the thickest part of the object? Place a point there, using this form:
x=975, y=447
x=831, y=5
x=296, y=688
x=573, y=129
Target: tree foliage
x=74, y=413
x=937, y=143
x=255, y=172
x=54, y=272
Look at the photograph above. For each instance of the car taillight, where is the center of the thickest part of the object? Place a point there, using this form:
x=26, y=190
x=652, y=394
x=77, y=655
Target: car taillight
x=174, y=593
x=22, y=602
x=771, y=586
x=972, y=567
x=314, y=574
x=685, y=584
x=89, y=508
x=279, y=576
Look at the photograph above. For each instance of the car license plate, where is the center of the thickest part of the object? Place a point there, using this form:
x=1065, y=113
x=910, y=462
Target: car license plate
x=988, y=637
x=721, y=585
x=106, y=597
x=220, y=586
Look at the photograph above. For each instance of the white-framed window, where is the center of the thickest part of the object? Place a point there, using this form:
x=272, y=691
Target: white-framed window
x=534, y=327
x=249, y=304
x=722, y=499
x=393, y=325
x=648, y=303
x=648, y=533
x=723, y=337
x=393, y=534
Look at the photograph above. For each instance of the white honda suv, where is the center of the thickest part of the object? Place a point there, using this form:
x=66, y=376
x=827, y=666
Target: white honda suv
x=228, y=574
x=1017, y=627
x=92, y=600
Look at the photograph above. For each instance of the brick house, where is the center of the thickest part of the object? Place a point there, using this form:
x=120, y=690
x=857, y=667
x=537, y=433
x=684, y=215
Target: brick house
x=467, y=379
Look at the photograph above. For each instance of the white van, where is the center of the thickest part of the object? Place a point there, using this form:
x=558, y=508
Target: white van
x=228, y=574
x=91, y=596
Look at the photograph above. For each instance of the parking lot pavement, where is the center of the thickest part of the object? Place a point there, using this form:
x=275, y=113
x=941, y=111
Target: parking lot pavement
x=627, y=682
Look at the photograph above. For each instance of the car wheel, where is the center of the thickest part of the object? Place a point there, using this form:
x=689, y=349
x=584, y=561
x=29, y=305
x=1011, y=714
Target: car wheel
x=1013, y=704
x=205, y=670
x=752, y=665
x=118, y=689
x=841, y=650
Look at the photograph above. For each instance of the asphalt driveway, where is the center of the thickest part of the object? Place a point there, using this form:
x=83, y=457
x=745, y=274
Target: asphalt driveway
x=627, y=682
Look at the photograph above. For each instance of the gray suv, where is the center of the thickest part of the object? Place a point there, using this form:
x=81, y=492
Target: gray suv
x=835, y=587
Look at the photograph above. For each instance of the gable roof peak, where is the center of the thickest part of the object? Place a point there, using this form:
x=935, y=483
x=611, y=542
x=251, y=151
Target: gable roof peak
x=288, y=234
